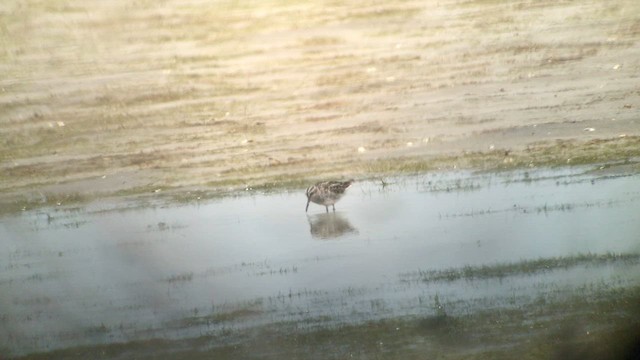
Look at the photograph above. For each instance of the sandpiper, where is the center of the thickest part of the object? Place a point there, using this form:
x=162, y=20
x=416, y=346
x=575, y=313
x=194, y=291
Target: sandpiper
x=327, y=193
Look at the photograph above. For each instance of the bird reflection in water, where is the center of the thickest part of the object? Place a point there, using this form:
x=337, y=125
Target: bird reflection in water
x=330, y=226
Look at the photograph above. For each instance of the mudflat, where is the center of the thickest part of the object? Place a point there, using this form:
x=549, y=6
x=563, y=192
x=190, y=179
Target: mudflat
x=124, y=98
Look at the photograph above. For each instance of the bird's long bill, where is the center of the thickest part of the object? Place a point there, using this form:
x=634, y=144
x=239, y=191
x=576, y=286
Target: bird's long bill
x=307, y=208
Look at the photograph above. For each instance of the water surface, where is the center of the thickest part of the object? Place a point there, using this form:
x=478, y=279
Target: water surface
x=97, y=275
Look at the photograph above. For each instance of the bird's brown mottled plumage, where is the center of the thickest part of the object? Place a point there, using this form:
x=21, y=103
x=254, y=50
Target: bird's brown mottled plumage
x=327, y=193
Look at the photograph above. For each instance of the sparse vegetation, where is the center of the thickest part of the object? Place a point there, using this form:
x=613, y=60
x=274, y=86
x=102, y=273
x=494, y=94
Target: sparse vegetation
x=186, y=101
x=179, y=278
x=96, y=98
x=525, y=267
x=609, y=331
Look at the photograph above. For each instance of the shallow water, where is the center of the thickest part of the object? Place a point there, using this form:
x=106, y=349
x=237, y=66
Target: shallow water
x=97, y=275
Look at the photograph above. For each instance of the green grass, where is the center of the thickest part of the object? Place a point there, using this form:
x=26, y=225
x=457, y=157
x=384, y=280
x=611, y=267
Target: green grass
x=525, y=267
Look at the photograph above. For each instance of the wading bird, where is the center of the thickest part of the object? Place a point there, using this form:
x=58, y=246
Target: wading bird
x=327, y=193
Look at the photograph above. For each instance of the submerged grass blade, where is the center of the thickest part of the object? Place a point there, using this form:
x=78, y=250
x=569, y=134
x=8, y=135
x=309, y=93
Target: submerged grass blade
x=524, y=267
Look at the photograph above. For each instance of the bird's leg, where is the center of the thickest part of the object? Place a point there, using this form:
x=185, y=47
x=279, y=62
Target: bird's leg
x=327, y=208
x=334, y=208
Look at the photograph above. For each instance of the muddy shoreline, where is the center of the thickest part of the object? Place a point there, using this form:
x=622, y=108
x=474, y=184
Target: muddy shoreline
x=101, y=100
x=613, y=157
x=113, y=115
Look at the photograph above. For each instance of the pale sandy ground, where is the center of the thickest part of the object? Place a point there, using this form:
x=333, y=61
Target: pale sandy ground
x=101, y=98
